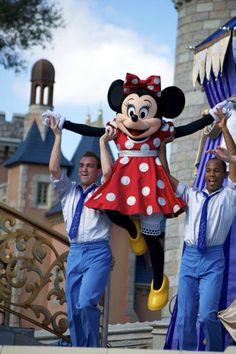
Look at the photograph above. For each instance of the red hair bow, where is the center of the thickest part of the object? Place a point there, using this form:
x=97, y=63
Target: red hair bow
x=152, y=83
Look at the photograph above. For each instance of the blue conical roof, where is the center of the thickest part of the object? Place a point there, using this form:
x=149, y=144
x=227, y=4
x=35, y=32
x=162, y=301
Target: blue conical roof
x=33, y=150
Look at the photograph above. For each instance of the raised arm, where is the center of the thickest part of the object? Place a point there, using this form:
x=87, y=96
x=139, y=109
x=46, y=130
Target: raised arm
x=222, y=154
x=55, y=158
x=230, y=144
x=106, y=160
x=232, y=158
x=162, y=155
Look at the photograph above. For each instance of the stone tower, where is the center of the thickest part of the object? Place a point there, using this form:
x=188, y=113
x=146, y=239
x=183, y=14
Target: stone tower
x=197, y=19
x=41, y=97
x=11, y=134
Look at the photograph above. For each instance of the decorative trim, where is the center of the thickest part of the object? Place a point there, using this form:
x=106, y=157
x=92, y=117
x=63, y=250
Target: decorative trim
x=210, y=58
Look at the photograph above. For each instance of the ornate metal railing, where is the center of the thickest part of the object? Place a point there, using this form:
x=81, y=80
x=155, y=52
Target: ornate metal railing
x=32, y=273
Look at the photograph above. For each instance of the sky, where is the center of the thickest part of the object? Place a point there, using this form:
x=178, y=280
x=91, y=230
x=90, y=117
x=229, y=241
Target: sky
x=101, y=42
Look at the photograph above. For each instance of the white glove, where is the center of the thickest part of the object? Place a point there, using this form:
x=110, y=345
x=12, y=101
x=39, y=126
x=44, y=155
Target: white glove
x=224, y=105
x=227, y=108
x=57, y=116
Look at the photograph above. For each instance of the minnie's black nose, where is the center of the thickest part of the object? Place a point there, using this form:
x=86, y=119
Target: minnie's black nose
x=134, y=117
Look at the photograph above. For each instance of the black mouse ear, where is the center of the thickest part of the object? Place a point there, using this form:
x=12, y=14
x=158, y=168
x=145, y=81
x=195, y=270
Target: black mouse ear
x=115, y=95
x=172, y=101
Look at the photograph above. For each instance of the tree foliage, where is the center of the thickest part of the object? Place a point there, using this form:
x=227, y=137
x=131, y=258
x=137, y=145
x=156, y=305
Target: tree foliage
x=25, y=24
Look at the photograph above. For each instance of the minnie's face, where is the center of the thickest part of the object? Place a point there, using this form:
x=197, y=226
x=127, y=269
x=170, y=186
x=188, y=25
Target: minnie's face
x=137, y=118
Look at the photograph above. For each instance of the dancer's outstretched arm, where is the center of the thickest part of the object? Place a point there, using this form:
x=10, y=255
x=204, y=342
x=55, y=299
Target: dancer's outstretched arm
x=229, y=141
x=162, y=156
x=222, y=154
x=106, y=161
x=55, y=158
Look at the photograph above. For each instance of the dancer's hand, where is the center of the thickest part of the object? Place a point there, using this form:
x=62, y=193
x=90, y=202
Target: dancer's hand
x=221, y=105
x=53, y=123
x=221, y=153
x=167, y=140
x=57, y=117
x=110, y=134
x=221, y=118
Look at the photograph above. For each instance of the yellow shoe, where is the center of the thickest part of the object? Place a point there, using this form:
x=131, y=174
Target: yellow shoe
x=158, y=299
x=138, y=244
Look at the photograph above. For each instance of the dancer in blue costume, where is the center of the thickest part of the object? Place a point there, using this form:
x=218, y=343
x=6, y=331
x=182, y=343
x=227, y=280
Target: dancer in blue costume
x=89, y=259
x=209, y=216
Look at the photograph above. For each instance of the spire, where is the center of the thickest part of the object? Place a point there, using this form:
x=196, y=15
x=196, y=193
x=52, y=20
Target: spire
x=97, y=123
x=100, y=118
x=88, y=119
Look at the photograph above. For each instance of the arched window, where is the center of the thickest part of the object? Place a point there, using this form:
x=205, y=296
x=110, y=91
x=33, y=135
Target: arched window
x=45, y=95
x=37, y=94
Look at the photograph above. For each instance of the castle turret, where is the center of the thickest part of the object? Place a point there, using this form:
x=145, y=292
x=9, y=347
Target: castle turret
x=42, y=78
x=41, y=98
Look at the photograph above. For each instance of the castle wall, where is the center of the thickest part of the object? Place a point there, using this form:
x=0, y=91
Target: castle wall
x=11, y=133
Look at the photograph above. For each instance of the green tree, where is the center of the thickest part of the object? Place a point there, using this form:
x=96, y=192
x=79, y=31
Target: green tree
x=25, y=24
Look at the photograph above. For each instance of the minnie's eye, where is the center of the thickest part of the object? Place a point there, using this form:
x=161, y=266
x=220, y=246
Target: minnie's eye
x=130, y=110
x=144, y=112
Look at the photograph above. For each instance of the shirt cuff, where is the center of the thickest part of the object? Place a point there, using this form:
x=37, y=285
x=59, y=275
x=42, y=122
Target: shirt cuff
x=231, y=184
x=180, y=189
x=57, y=179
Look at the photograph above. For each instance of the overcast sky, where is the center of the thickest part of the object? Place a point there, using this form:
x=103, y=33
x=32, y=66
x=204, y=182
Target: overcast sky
x=102, y=41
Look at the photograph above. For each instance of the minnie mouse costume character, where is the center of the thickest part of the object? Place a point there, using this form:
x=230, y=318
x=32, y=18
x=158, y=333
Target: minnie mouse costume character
x=139, y=183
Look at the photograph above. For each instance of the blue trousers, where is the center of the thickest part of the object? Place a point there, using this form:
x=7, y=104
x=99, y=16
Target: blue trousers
x=200, y=283
x=87, y=272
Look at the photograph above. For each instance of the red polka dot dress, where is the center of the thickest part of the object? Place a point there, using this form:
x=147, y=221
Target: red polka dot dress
x=139, y=183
